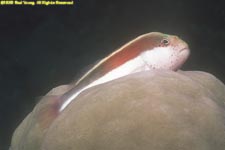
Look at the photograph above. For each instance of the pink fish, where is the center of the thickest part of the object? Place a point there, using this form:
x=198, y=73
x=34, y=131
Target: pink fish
x=147, y=52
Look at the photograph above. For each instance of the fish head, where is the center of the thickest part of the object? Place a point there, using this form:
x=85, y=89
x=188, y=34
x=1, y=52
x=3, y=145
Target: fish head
x=166, y=52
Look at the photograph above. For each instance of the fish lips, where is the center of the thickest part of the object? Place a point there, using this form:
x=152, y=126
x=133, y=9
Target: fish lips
x=185, y=51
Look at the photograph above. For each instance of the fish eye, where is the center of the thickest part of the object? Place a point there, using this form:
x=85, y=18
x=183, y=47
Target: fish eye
x=165, y=42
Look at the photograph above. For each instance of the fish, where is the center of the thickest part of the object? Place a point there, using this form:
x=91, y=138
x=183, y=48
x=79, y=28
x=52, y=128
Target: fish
x=149, y=51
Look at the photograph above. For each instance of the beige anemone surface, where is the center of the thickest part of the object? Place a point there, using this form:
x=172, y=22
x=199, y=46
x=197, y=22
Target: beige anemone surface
x=154, y=110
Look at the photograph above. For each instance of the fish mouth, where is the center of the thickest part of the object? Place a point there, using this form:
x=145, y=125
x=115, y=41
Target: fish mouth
x=184, y=49
x=184, y=52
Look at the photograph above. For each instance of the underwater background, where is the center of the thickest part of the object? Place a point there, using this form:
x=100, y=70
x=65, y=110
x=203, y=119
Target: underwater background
x=42, y=47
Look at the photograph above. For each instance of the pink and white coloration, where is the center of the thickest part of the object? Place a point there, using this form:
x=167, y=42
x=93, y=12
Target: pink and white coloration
x=149, y=51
